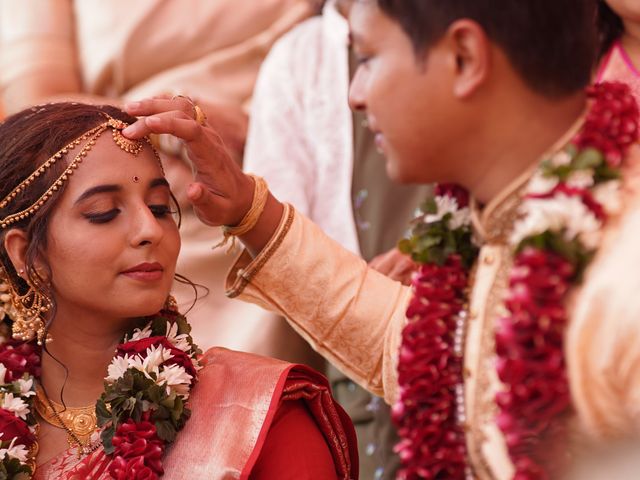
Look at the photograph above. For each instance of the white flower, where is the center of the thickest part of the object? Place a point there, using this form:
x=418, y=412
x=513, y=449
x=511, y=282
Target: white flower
x=444, y=204
x=3, y=373
x=16, y=451
x=447, y=204
x=560, y=159
x=581, y=179
x=460, y=218
x=562, y=212
x=178, y=341
x=541, y=184
x=117, y=368
x=156, y=356
x=609, y=196
x=140, y=334
x=26, y=387
x=15, y=405
x=175, y=377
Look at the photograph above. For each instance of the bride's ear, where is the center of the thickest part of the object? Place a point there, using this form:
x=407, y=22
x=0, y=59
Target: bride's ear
x=16, y=243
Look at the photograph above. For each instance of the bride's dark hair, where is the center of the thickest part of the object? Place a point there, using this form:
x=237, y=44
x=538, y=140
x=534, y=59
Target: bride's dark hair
x=610, y=27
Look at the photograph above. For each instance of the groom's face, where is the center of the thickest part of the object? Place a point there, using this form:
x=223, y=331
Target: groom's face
x=407, y=96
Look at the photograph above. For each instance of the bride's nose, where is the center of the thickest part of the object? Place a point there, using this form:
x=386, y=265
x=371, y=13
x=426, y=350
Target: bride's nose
x=145, y=227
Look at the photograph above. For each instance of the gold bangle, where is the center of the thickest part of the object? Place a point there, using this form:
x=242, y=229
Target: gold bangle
x=260, y=195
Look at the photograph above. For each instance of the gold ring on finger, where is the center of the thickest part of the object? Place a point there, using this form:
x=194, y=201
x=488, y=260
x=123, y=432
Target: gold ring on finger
x=201, y=118
x=191, y=102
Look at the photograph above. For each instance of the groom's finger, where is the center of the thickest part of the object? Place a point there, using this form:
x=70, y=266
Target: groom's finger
x=205, y=203
x=176, y=123
x=160, y=104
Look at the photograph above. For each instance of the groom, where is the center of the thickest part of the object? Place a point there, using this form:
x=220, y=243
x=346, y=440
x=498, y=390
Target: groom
x=476, y=93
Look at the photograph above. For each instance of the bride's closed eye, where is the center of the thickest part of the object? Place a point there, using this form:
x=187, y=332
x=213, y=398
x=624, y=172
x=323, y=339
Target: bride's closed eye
x=101, y=217
x=161, y=211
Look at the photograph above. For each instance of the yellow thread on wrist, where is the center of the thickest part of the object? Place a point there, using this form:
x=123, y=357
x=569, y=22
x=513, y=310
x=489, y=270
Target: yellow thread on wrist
x=249, y=221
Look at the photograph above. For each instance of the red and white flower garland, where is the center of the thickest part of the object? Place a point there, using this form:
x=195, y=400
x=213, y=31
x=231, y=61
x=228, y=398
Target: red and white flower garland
x=430, y=413
x=142, y=409
x=562, y=217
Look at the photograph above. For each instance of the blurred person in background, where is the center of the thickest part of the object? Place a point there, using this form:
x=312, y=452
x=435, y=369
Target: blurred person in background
x=319, y=155
x=109, y=52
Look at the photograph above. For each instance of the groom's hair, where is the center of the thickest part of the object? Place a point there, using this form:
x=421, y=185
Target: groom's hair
x=552, y=44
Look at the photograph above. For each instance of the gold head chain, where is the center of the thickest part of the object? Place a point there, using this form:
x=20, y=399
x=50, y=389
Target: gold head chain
x=91, y=136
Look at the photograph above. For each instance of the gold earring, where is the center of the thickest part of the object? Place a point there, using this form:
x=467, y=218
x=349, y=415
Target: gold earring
x=26, y=310
x=6, y=303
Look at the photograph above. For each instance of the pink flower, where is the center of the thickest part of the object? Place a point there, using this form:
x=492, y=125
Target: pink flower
x=19, y=358
x=611, y=125
x=529, y=345
x=13, y=427
x=454, y=191
x=138, y=452
x=433, y=444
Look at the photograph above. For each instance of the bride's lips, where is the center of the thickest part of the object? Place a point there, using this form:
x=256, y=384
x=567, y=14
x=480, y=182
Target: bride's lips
x=145, y=272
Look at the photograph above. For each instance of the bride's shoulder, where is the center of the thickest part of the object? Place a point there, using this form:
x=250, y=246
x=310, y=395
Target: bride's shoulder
x=223, y=365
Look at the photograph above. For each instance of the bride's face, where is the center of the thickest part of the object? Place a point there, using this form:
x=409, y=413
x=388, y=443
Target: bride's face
x=112, y=241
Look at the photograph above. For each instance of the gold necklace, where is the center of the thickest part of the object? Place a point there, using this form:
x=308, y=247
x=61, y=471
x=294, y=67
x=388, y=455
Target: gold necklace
x=80, y=423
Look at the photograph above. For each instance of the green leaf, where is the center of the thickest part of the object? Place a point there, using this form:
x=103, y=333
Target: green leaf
x=587, y=158
x=405, y=246
x=427, y=242
x=604, y=173
x=107, y=436
x=102, y=412
x=429, y=206
x=166, y=431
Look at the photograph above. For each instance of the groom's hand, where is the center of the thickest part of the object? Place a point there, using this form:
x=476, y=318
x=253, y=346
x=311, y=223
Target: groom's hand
x=221, y=193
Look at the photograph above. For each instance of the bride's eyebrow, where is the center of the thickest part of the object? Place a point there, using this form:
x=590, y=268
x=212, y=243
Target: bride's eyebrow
x=159, y=182
x=156, y=182
x=96, y=190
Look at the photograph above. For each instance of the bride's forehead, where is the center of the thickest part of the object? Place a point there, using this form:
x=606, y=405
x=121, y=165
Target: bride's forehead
x=107, y=164
x=106, y=159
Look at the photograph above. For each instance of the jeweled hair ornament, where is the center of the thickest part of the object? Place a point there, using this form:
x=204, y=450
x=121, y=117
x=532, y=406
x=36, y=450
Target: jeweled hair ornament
x=89, y=138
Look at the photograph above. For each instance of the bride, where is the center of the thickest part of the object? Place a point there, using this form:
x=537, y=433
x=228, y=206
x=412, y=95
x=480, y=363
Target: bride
x=99, y=376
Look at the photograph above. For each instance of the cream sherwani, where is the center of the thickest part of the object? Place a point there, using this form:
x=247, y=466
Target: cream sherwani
x=355, y=316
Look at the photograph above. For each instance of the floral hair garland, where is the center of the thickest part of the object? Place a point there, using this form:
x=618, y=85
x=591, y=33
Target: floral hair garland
x=565, y=207
x=143, y=406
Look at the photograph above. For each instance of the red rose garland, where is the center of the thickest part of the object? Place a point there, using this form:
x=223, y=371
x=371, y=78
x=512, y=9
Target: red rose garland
x=430, y=365
x=563, y=213
x=138, y=451
x=548, y=262
x=156, y=365
x=19, y=365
